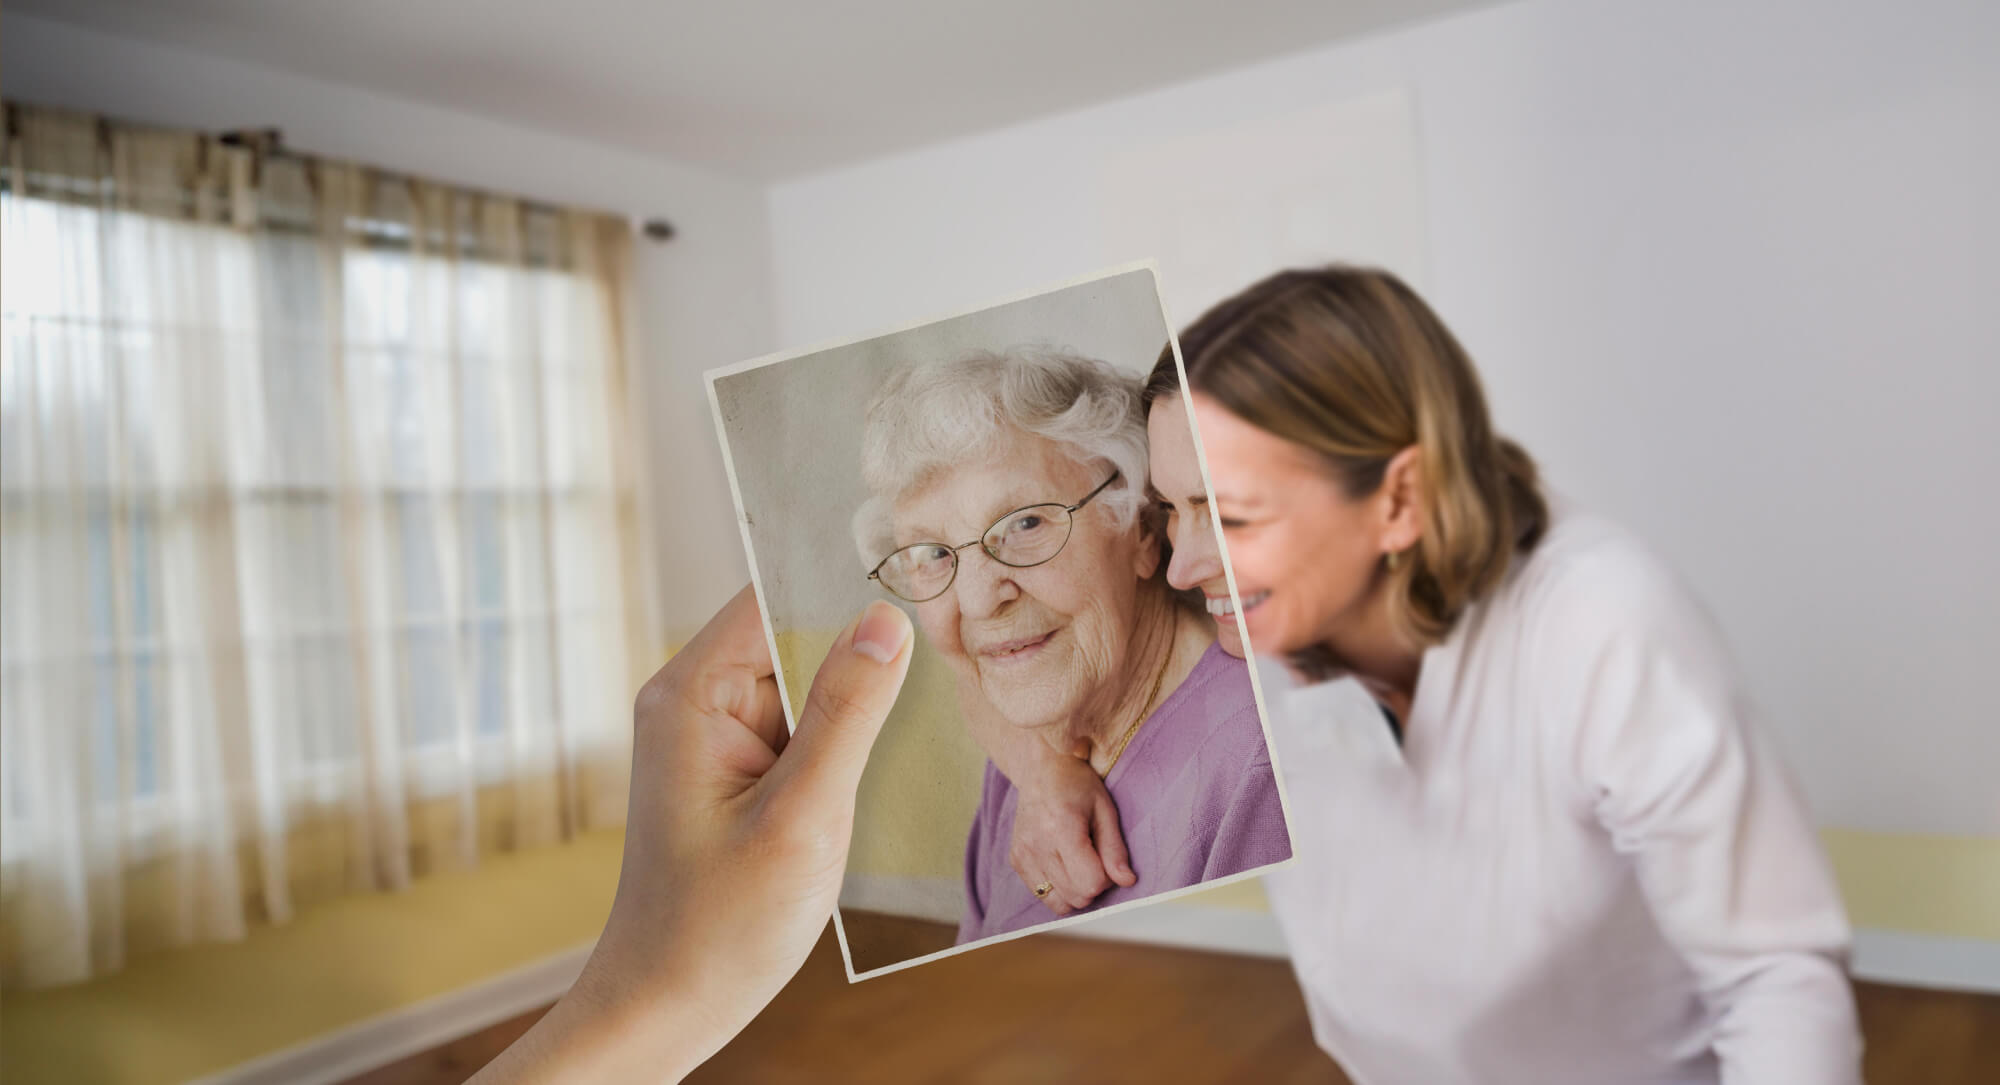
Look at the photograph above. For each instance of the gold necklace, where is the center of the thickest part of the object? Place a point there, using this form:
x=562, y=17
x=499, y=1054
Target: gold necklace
x=1126, y=739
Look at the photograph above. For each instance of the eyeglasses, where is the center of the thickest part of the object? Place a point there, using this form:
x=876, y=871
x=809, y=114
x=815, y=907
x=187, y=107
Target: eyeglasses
x=1021, y=539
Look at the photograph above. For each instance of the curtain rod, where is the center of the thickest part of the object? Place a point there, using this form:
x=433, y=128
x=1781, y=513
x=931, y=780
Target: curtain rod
x=270, y=142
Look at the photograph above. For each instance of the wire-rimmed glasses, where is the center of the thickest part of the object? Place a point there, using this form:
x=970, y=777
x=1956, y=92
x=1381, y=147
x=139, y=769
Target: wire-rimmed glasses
x=1025, y=537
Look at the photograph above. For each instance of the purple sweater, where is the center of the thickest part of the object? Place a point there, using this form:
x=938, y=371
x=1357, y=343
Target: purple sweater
x=1196, y=799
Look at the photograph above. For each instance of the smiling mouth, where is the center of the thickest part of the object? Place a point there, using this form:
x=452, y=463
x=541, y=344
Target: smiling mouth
x=1019, y=648
x=1218, y=605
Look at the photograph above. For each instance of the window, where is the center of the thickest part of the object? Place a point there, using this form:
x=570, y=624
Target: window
x=423, y=464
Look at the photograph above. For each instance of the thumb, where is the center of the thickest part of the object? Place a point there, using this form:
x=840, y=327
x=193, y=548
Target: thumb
x=851, y=696
x=1111, y=842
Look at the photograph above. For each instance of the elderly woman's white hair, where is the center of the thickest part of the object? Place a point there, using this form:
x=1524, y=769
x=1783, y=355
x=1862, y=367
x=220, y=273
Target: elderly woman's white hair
x=927, y=417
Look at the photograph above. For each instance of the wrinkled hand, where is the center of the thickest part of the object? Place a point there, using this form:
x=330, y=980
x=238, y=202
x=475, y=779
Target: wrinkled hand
x=735, y=843
x=1066, y=833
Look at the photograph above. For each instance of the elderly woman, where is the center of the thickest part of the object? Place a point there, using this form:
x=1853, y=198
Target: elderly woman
x=1007, y=500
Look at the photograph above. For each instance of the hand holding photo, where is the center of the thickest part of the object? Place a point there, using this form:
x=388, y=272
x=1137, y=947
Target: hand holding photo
x=1075, y=736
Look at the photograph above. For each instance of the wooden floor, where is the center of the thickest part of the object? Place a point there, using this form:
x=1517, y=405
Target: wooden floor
x=876, y=940
x=1055, y=1008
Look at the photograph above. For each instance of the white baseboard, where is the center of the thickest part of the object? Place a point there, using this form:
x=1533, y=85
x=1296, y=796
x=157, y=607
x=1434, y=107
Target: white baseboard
x=360, y=1047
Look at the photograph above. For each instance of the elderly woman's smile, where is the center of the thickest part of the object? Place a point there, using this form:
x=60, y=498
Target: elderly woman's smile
x=1016, y=650
x=1046, y=641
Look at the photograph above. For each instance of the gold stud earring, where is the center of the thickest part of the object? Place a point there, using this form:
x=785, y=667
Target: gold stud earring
x=1392, y=559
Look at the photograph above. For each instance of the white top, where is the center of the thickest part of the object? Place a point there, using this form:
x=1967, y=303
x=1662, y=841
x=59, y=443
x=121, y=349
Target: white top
x=1584, y=865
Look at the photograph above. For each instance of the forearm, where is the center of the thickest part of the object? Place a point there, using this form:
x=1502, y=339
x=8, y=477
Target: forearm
x=1066, y=843
x=598, y=1032
x=1020, y=755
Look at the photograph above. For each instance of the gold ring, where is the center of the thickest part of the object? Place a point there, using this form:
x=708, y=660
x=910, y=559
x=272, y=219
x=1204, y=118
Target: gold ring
x=1044, y=890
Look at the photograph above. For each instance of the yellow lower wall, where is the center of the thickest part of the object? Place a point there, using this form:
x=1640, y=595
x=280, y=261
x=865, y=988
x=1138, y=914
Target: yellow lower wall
x=175, y=1015
x=1940, y=885
x=921, y=786
x=1921, y=884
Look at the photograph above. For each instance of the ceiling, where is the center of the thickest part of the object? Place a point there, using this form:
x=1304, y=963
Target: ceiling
x=757, y=88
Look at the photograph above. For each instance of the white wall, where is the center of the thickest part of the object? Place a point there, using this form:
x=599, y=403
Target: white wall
x=1722, y=270
x=703, y=299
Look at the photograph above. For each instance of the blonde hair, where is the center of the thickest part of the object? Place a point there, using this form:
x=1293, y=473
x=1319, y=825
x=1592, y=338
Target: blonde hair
x=1350, y=363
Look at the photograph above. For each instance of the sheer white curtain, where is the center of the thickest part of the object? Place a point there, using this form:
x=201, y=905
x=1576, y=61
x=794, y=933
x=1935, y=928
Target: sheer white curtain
x=321, y=560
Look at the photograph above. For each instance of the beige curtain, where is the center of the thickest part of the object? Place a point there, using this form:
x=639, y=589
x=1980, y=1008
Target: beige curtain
x=320, y=545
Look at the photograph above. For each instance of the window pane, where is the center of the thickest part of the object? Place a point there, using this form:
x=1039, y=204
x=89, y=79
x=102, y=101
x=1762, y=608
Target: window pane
x=299, y=396
x=146, y=727
x=490, y=676
x=145, y=615
x=103, y=620
x=427, y=695
x=416, y=528
x=485, y=554
x=104, y=729
x=327, y=685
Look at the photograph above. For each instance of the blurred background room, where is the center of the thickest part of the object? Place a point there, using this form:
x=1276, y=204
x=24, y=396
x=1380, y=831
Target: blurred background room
x=358, y=467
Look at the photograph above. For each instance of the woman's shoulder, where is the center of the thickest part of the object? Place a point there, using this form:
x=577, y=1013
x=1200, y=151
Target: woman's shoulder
x=1590, y=578
x=1599, y=616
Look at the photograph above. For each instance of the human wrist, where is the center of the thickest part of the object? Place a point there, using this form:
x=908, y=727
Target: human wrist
x=627, y=1025
x=1042, y=769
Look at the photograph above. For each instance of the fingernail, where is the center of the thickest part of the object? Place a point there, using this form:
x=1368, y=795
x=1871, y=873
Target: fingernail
x=882, y=631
